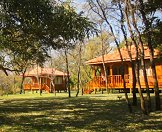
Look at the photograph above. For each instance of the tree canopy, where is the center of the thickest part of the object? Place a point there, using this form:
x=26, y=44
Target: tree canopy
x=30, y=27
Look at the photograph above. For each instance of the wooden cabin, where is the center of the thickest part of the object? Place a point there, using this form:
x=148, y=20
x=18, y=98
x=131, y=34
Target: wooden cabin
x=114, y=68
x=48, y=79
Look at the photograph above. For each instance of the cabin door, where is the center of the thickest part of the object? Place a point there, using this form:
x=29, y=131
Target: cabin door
x=117, y=70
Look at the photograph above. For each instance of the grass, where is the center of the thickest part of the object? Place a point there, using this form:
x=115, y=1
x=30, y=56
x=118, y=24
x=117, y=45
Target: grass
x=88, y=113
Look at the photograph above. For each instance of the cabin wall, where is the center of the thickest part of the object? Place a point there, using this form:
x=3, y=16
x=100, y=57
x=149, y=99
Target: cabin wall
x=114, y=72
x=159, y=74
x=159, y=69
x=111, y=69
x=49, y=82
x=34, y=80
x=45, y=80
x=114, y=69
x=59, y=84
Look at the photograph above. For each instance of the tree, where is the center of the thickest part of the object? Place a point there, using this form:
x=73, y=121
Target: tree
x=101, y=8
x=126, y=43
x=79, y=69
x=24, y=31
x=77, y=28
x=30, y=27
x=156, y=32
x=9, y=84
x=145, y=10
x=130, y=10
x=77, y=57
x=104, y=41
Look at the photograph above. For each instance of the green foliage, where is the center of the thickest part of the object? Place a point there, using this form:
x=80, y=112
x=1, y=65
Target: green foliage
x=156, y=35
x=91, y=49
x=9, y=84
x=24, y=29
x=152, y=9
x=30, y=27
x=71, y=26
x=152, y=5
x=94, y=48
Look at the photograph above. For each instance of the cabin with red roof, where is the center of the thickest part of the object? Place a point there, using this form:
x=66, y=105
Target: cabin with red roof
x=47, y=79
x=113, y=63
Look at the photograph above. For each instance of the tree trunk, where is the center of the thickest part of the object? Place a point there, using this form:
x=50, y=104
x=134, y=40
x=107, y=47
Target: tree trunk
x=79, y=64
x=68, y=77
x=53, y=84
x=130, y=55
x=143, y=108
x=103, y=62
x=103, y=16
x=142, y=58
x=149, y=41
x=136, y=60
x=105, y=73
x=117, y=44
x=22, y=81
x=134, y=103
x=21, y=86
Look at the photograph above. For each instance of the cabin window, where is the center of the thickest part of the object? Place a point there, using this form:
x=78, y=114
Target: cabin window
x=115, y=70
x=108, y=71
x=58, y=80
x=42, y=80
x=126, y=69
x=159, y=69
x=98, y=72
x=121, y=70
x=148, y=71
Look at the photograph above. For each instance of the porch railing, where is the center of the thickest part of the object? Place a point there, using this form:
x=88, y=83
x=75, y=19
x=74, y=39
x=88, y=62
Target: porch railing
x=36, y=86
x=116, y=81
x=112, y=81
x=151, y=81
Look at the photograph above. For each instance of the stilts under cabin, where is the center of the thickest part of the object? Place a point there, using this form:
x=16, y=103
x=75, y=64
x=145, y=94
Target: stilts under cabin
x=114, y=69
x=47, y=79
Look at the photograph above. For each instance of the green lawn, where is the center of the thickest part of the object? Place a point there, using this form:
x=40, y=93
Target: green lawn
x=88, y=113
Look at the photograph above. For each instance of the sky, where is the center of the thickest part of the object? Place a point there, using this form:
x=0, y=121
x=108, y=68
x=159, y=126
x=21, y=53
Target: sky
x=79, y=4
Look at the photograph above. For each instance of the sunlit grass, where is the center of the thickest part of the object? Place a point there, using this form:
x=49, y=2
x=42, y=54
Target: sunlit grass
x=88, y=113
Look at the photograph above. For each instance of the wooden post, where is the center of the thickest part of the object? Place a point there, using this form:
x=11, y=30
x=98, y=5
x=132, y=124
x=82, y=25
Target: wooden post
x=131, y=91
x=40, y=85
x=130, y=78
x=50, y=85
x=94, y=71
x=88, y=90
x=41, y=82
x=111, y=70
x=46, y=80
x=111, y=73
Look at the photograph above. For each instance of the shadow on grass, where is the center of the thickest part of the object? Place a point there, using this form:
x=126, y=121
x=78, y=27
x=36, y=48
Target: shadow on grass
x=74, y=114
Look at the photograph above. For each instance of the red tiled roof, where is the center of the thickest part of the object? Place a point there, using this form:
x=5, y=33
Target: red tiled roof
x=115, y=57
x=44, y=71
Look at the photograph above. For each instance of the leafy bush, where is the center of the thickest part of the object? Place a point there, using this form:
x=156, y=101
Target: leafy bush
x=9, y=84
